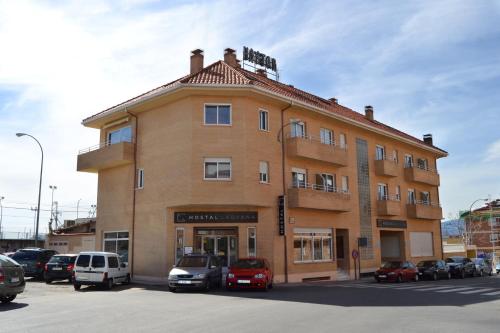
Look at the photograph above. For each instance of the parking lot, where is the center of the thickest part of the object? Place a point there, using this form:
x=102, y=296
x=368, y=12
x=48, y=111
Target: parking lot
x=456, y=305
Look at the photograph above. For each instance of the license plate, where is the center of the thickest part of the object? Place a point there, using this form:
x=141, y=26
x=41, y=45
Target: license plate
x=57, y=268
x=14, y=280
x=382, y=276
x=244, y=281
x=184, y=282
x=420, y=273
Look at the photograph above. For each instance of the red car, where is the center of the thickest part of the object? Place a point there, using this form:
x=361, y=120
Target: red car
x=250, y=273
x=397, y=271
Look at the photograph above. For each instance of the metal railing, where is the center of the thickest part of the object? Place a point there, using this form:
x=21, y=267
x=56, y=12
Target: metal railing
x=390, y=158
x=100, y=145
x=421, y=167
x=331, y=143
x=391, y=197
x=319, y=187
x=424, y=203
x=12, y=235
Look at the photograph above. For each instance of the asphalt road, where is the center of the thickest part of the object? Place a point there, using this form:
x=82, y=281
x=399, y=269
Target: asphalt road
x=469, y=305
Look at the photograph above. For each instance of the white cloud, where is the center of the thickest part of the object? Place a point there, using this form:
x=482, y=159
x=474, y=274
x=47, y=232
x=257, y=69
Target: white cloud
x=493, y=152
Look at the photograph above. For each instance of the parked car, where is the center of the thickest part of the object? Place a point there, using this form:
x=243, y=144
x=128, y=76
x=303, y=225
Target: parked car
x=99, y=269
x=461, y=266
x=9, y=254
x=33, y=260
x=60, y=267
x=483, y=266
x=433, y=269
x=11, y=279
x=203, y=271
x=250, y=273
x=498, y=268
x=397, y=271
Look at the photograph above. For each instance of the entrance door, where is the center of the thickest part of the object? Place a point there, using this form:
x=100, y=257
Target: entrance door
x=219, y=242
x=223, y=249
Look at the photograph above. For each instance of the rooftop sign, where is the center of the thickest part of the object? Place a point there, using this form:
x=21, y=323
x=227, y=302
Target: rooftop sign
x=259, y=58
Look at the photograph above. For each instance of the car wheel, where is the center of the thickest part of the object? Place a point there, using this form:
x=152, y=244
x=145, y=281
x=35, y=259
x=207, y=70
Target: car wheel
x=7, y=299
x=399, y=279
x=77, y=286
x=171, y=289
x=109, y=284
x=490, y=273
x=462, y=274
x=207, y=285
x=435, y=276
x=481, y=273
x=48, y=281
x=415, y=279
x=448, y=276
x=127, y=280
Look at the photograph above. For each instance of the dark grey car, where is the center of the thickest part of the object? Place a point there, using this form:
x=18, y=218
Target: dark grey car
x=433, y=269
x=196, y=271
x=11, y=279
x=33, y=261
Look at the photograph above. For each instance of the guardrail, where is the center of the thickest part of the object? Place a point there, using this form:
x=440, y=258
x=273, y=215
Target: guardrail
x=99, y=146
x=425, y=203
x=318, y=187
x=332, y=143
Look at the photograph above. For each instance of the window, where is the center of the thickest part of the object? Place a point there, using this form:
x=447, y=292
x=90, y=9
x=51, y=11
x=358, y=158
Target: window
x=140, y=178
x=422, y=164
x=98, y=262
x=379, y=153
x=326, y=182
x=113, y=262
x=299, y=178
x=298, y=129
x=263, y=120
x=342, y=141
x=345, y=184
x=398, y=193
x=117, y=242
x=252, y=242
x=425, y=198
x=83, y=260
x=217, y=168
x=179, y=244
x=264, y=172
x=395, y=156
x=421, y=244
x=123, y=134
x=310, y=245
x=326, y=136
x=494, y=237
x=217, y=115
x=382, y=192
x=408, y=161
x=411, y=196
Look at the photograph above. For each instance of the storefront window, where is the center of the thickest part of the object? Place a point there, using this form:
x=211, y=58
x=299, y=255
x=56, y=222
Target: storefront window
x=311, y=245
x=252, y=244
x=117, y=242
x=179, y=243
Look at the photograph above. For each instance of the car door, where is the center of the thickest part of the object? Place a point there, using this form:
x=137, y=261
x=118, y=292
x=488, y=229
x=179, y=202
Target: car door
x=82, y=267
x=441, y=269
x=404, y=270
x=114, y=269
x=97, y=268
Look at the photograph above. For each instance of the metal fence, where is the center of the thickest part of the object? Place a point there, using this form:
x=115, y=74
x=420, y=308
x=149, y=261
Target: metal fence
x=12, y=235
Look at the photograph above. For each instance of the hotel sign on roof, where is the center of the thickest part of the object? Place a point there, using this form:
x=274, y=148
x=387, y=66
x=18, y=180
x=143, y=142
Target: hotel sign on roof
x=259, y=58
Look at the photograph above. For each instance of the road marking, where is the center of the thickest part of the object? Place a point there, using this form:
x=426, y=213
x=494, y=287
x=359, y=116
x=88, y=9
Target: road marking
x=415, y=287
x=433, y=288
x=452, y=290
x=492, y=294
x=475, y=291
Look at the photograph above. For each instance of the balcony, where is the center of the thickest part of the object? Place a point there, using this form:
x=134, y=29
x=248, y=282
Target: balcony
x=388, y=206
x=104, y=156
x=312, y=148
x=420, y=175
x=386, y=167
x=317, y=197
x=427, y=211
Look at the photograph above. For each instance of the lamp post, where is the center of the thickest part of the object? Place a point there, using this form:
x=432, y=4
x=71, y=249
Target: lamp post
x=53, y=188
x=468, y=230
x=77, y=207
x=39, y=186
x=1, y=216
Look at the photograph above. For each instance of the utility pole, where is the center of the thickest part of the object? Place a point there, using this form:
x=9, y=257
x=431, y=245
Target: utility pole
x=77, y=207
x=56, y=213
x=34, y=209
x=53, y=188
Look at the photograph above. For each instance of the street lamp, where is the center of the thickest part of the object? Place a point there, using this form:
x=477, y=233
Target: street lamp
x=39, y=186
x=469, y=230
x=53, y=188
x=77, y=207
x=1, y=215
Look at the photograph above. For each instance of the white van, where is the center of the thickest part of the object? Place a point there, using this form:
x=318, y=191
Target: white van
x=99, y=268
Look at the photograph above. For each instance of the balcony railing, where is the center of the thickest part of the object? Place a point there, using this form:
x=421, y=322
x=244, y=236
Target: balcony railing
x=105, y=155
x=386, y=166
x=314, y=196
x=422, y=175
x=424, y=210
x=388, y=205
x=313, y=148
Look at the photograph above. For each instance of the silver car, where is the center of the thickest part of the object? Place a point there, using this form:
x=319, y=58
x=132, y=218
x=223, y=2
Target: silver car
x=201, y=271
x=11, y=279
x=483, y=266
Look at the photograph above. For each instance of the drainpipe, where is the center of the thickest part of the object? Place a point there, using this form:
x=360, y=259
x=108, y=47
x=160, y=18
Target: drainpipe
x=282, y=139
x=136, y=128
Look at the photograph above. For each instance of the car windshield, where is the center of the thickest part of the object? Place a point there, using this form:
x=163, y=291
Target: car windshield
x=454, y=260
x=249, y=263
x=62, y=260
x=426, y=263
x=25, y=255
x=193, y=262
x=391, y=264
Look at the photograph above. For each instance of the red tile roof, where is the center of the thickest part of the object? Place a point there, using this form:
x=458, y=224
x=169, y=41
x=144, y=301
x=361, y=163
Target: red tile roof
x=220, y=73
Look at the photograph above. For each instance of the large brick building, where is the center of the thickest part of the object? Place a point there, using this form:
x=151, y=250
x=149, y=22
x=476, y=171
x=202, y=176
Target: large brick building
x=200, y=164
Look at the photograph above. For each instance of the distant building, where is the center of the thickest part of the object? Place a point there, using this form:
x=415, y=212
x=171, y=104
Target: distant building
x=75, y=236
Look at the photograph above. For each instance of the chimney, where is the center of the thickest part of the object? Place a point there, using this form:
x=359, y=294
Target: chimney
x=196, y=61
x=428, y=139
x=262, y=72
x=369, y=112
x=334, y=100
x=230, y=57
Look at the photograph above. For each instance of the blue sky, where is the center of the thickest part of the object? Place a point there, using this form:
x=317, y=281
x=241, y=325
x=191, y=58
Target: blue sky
x=425, y=66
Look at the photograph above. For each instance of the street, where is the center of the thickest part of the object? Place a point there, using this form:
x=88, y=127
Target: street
x=468, y=305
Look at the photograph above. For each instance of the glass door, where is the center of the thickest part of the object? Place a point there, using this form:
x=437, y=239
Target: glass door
x=222, y=250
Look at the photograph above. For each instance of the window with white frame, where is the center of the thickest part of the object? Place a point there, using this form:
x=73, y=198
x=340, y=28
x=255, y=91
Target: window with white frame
x=422, y=164
x=411, y=196
x=494, y=237
x=408, y=161
x=179, y=244
x=425, y=198
x=299, y=178
x=326, y=182
x=140, y=179
x=312, y=245
x=252, y=242
x=123, y=134
x=342, y=141
x=117, y=242
x=395, y=156
x=379, y=153
x=326, y=136
x=382, y=193
x=217, y=114
x=298, y=129
x=345, y=184
x=264, y=171
x=263, y=120
x=217, y=169
x=398, y=193
x=495, y=221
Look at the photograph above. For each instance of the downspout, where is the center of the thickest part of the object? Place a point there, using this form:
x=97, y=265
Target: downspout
x=440, y=222
x=283, y=174
x=133, y=192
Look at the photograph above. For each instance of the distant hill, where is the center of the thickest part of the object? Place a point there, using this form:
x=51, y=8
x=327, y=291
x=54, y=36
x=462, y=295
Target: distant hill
x=452, y=227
